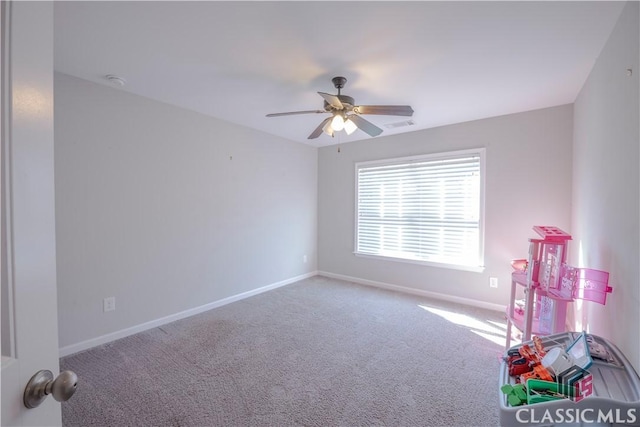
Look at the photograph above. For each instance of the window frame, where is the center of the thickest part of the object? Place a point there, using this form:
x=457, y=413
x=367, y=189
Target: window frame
x=481, y=153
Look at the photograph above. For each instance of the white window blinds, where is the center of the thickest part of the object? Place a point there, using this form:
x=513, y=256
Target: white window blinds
x=424, y=208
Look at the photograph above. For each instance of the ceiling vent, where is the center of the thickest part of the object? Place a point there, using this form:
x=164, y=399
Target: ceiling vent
x=400, y=124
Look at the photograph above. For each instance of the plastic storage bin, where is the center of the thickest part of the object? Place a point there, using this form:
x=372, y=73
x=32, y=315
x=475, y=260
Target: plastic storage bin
x=615, y=399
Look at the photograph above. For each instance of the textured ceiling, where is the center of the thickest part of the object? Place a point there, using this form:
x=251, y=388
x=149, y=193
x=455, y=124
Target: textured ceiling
x=237, y=61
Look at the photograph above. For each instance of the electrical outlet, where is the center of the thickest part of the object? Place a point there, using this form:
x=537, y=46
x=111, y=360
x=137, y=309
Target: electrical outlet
x=109, y=304
x=493, y=282
x=304, y=259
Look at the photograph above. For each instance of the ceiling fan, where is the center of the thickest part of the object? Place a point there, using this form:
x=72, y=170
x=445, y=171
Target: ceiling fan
x=346, y=115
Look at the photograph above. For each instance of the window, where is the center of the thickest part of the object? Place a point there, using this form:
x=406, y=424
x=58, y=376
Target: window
x=425, y=209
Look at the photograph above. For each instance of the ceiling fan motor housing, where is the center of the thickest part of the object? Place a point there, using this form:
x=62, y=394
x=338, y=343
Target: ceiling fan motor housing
x=347, y=101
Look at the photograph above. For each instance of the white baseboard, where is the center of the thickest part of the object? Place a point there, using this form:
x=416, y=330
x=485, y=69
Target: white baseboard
x=93, y=342
x=413, y=291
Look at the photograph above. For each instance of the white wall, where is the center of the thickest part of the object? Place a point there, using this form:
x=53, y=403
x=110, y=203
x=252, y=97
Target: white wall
x=606, y=190
x=528, y=182
x=168, y=210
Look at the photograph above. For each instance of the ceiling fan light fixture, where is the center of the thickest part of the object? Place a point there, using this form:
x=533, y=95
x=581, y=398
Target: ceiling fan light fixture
x=337, y=123
x=328, y=129
x=349, y=126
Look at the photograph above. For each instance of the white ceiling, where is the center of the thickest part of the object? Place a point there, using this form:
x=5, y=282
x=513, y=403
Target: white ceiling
x=237, y=61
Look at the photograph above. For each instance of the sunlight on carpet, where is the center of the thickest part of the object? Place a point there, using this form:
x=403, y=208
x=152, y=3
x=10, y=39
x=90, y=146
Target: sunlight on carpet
x=496, y=332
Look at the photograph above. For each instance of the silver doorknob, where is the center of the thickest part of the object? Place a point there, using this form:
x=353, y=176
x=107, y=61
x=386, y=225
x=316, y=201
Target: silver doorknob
x=42, y=384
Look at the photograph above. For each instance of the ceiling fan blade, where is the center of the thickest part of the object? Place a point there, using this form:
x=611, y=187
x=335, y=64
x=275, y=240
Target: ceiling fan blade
x=365, y=126
x=332, y=100
x=291, y=113
x=318, y=131
x=387, y=110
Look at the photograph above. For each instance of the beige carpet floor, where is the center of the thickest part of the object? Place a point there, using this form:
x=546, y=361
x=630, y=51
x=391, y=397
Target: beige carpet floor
x=319, y=352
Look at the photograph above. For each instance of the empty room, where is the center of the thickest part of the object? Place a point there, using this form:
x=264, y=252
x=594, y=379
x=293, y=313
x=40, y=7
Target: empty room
x=320, y=213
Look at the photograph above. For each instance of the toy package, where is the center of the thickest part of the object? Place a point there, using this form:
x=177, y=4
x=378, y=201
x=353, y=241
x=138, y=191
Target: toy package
x=545, y=374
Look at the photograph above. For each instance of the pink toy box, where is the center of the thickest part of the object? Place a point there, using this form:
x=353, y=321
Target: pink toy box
x=549, y=284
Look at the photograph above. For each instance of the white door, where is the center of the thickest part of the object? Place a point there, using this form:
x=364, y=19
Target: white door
x=29, y=298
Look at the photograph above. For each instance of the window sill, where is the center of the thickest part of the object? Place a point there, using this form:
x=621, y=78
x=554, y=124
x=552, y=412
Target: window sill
x=461, y=267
